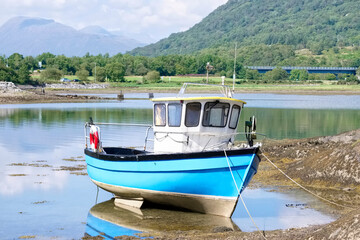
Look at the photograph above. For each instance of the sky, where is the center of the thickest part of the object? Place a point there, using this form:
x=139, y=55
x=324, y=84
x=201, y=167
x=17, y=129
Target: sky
x=139, y=19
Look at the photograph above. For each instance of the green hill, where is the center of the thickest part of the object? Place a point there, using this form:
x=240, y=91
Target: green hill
x=313, y=24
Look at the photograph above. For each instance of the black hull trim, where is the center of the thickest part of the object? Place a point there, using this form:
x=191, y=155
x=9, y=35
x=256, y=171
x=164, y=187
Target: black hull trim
x=126, y=154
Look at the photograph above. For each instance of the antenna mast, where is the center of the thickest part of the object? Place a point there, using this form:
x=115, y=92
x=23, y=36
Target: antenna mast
x=234, y=68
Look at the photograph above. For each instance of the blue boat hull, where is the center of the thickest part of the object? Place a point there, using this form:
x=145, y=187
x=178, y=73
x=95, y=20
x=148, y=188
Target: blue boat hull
x=201, y=182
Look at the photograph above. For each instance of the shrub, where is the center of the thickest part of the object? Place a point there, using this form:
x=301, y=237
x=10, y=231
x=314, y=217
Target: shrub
x=82, y=74
x=51, y=73
x=153, y=76
x=276, y=74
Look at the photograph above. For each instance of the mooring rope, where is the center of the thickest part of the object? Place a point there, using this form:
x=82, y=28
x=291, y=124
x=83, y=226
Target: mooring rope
x=97, y=194
x=302, y=187
x=242, y=200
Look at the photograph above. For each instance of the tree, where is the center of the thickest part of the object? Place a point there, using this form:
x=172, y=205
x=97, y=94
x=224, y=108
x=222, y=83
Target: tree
x=252, y=74
x=24, y=75
x=329, y=76
x=51, y=73
x=299, y=75
x=82, y=74
x=351, y=78
x=276, y=74
x=15, y=61
x=100, y=74
x=140, y=69
x=115, y=72
x=45, y=57
x=7, y=74
x=63, y=63
x=30, y=63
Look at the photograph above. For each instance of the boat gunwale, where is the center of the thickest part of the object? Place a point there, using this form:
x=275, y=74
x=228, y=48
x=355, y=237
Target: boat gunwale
x=169, y=156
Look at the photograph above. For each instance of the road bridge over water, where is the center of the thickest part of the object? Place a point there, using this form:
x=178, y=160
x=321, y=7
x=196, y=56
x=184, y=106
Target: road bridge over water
x=333, y=70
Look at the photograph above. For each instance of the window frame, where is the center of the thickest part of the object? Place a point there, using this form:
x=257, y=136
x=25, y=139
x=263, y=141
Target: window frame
x=168, y=115
x=186, y=114
x=231, y=115
x=156, y=115
x=215, y=103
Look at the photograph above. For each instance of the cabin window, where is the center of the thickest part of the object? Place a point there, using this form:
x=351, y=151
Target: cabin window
x=160, y=114
x=215, y=114
x=174, y=114
x=192, y=116
x=234, y=117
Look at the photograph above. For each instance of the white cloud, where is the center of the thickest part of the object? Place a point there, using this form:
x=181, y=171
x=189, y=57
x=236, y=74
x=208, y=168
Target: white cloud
x=43, y=178
x=156, y=18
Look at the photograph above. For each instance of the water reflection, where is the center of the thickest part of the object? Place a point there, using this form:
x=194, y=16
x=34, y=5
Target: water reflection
x=270, y=210
x=267, y=100
x=274, y=123
x=280, y=210
x=115, y=221
x=302, y=123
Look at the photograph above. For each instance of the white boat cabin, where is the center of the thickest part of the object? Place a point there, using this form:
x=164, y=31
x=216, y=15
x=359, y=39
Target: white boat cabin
x=195, y=124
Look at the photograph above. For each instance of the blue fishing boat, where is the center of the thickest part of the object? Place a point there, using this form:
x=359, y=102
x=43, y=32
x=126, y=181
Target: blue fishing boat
x=194, y=164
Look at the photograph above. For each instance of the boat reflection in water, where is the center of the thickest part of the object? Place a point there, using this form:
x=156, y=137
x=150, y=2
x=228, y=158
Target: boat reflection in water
x=109, y=221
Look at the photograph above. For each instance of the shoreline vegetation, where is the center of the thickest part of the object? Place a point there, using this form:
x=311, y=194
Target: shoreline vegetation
x=67, y=92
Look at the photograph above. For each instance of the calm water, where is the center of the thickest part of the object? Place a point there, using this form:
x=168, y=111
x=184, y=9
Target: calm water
x=41, y=196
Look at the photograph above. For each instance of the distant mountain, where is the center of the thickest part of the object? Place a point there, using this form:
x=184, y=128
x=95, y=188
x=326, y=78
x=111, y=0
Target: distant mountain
x=34, y=36
x=141, y=37
x=97, y=30
x=314, y=24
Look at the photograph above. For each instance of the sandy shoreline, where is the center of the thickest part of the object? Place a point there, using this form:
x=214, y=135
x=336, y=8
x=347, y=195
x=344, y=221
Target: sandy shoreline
x=79, y=95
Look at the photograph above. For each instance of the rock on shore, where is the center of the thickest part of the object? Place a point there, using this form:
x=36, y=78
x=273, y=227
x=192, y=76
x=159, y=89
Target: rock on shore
x=332, y=161
x=76, y=86
x=10, y=93
x=328, y=166
x=8, y=87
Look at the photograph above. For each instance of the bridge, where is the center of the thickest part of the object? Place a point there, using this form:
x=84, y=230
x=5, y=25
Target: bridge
x=333, y=70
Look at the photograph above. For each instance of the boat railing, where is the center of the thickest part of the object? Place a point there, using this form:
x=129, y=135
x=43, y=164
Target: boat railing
x=88, y=125
x=148, y=127
x=224, y=89
x=208, y=147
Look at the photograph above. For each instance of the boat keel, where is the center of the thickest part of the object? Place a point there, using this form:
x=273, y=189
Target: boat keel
x=131, y=202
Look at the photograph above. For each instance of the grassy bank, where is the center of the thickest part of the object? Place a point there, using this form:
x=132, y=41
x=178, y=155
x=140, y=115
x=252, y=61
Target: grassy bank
x=174, y=83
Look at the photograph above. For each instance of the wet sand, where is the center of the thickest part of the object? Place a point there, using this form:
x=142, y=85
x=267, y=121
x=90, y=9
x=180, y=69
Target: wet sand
x=24, y=97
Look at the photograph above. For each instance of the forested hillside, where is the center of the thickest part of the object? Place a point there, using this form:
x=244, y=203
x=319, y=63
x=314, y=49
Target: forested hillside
x=313, y=24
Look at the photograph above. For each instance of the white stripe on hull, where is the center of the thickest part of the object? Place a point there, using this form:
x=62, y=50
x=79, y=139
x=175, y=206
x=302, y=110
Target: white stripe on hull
x=215, y=205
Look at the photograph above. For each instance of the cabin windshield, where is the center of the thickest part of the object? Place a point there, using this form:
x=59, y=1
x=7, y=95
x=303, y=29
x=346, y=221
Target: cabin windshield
x=215, y=114
x=160, y=114
x=174, y=114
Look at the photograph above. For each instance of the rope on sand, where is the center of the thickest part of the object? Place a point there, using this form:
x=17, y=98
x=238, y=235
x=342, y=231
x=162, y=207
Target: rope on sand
x=242, y=200
x=302, y=187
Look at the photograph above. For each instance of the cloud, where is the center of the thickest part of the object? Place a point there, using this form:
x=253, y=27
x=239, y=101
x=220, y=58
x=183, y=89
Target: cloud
x=155, y=18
